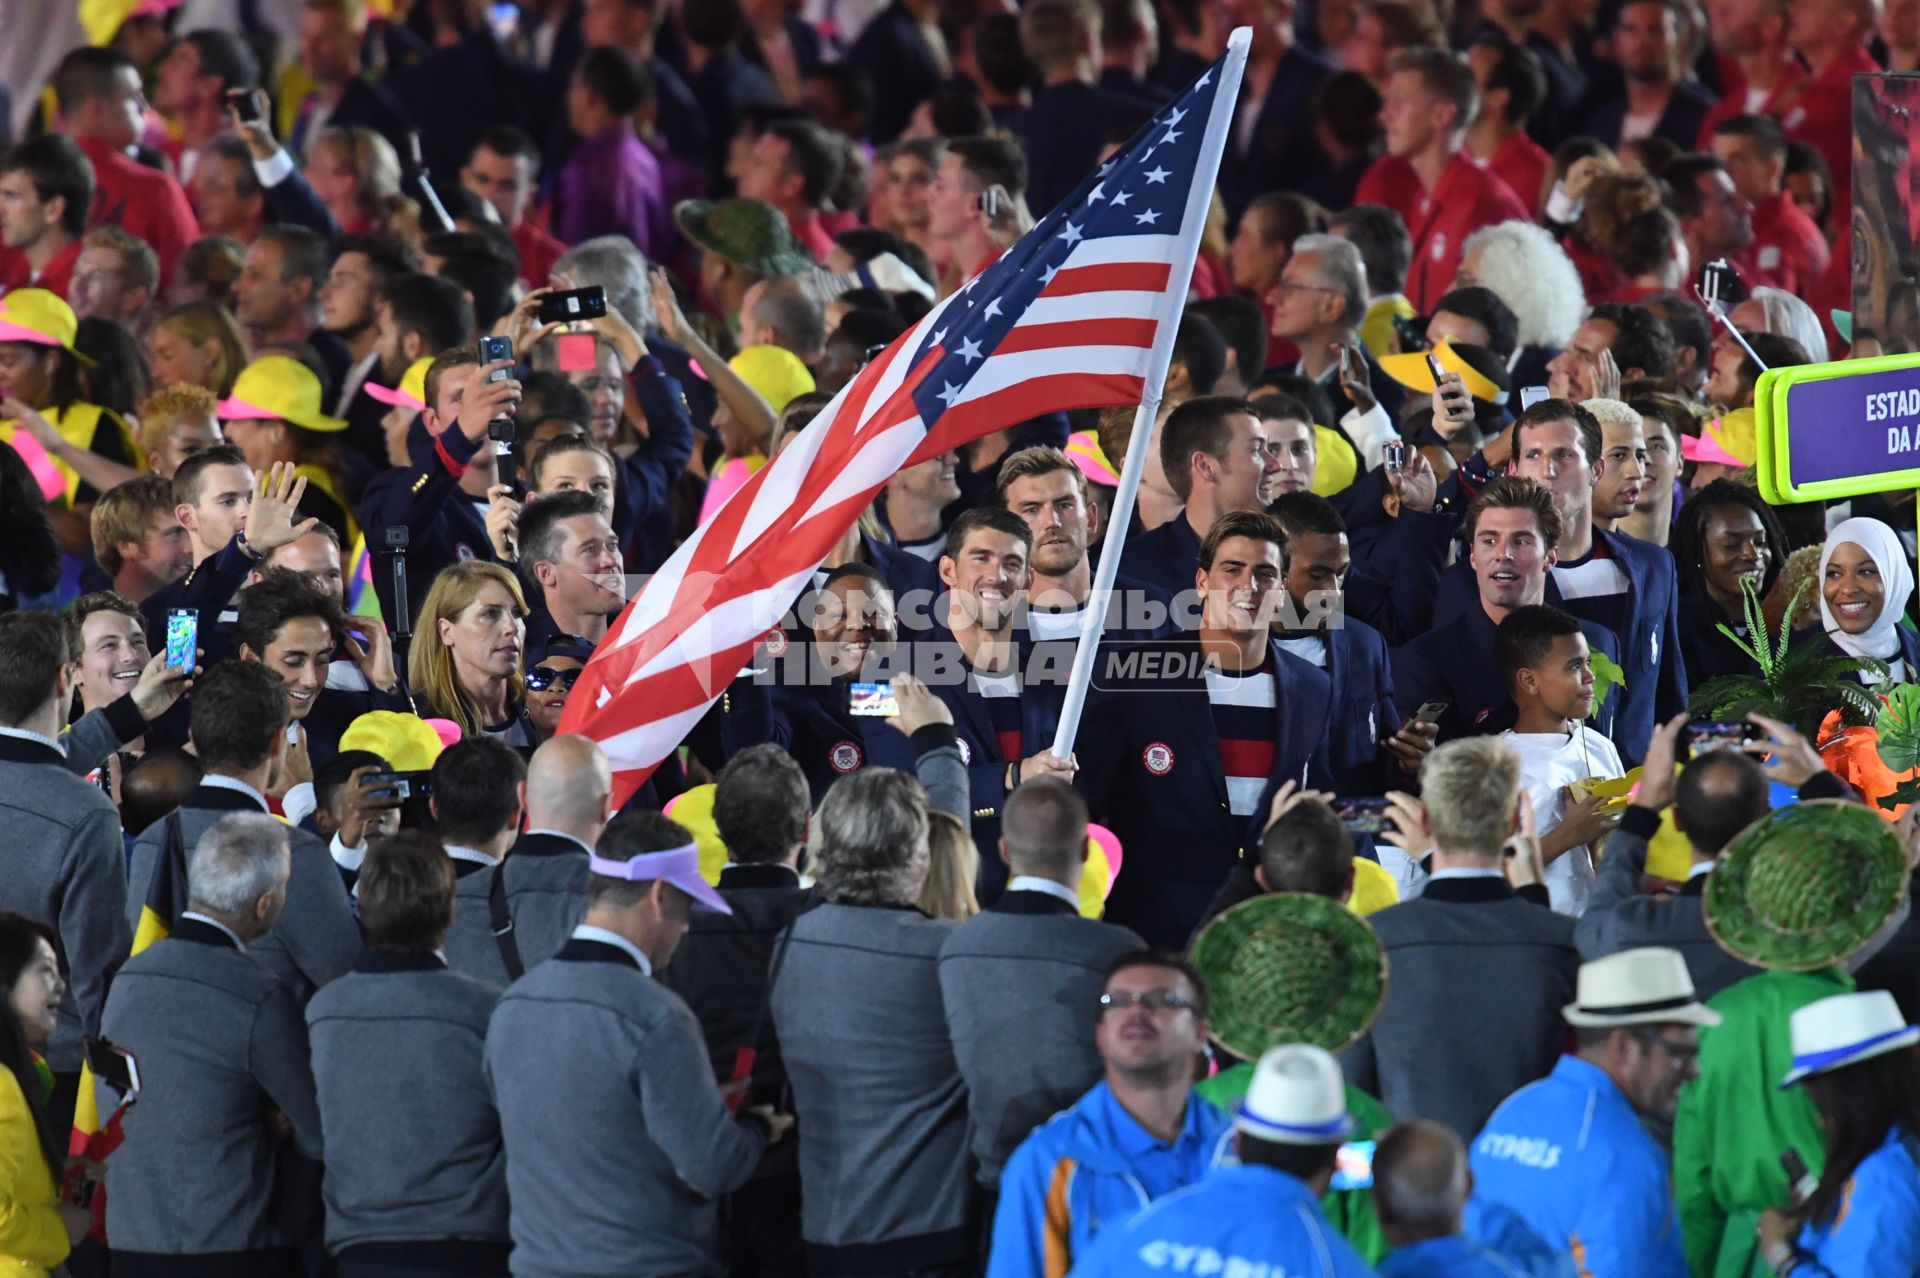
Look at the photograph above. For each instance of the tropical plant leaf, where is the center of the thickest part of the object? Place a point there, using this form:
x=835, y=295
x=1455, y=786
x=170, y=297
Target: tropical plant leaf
x=1711, y=698
x=1759, y=656
x=1899, y=726
x=1607, y=675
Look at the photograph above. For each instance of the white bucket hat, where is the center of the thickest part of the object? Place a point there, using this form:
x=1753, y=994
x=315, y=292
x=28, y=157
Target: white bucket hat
x=1647, y=986
x=1297, y=1097
x=1844, y=1030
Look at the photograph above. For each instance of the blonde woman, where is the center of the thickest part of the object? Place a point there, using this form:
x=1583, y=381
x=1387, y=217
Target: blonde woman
x=466, y=659
x=198, y=344
x=356, y=174
x=953, y=862
x=175, y=423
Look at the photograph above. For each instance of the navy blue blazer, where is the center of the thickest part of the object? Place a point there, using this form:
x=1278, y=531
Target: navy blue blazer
x=1679, y=124
x=1150, y=768
x=443, y=527
x=1282, y=142
x=1165, y=558
x=1650, y=651
x=1453, y=662
x=811, y=723
x=366, y=105
x=1365, y=712
x=980, y=744
x=1063, y=132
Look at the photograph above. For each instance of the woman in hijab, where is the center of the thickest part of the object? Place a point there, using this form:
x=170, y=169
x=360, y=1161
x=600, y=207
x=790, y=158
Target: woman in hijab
x=1865, y=582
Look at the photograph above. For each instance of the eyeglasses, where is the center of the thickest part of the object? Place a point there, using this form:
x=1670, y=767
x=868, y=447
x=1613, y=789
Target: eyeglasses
x=1682, y=1053
x=540, y=678
x=1152, y=1000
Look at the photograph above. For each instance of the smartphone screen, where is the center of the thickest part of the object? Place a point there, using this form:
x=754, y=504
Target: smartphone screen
x=874, y=700
x=183, y=638
x=241, y=100
x=573, y=304
x=1430, y=711
x=492, y=351
x=1704, y=735
x=1353, y=1166
x=1362, y=816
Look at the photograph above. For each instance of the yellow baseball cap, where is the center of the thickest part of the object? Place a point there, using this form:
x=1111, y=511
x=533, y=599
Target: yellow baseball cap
x=279, y=388
x=775, y=372
x=1411, y=370
x=1335, y=466
x=41, y=318
x=412, y=391
x=406, y=741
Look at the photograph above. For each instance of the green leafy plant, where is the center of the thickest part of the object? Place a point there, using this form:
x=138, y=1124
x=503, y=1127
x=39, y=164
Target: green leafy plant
x=1899, y=744
x=1607, y=675
x=1797, y=685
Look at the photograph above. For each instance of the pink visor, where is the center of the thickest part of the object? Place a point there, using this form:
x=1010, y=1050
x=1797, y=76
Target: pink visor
x=239, y=410
x=1705, y=448
x=394, y=398
x=678, y=866
x=12, y=332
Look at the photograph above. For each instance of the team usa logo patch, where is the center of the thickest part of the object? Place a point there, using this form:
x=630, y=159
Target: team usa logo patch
x=966, y=752
x=776, y=641
x=1158, y=757
x=845, y=757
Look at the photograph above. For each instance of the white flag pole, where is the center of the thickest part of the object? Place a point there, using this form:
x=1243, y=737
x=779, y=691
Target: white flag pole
x=1206, y=169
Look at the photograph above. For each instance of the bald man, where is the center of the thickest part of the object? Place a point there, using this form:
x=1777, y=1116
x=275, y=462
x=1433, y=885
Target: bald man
x=509, y=917
x=1420, y=1188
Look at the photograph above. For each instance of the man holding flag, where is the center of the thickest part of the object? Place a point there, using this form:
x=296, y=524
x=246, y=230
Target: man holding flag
x=1080, y=312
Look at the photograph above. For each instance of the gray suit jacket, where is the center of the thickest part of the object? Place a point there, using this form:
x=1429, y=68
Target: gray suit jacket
x=64, y=867
x=317, y=937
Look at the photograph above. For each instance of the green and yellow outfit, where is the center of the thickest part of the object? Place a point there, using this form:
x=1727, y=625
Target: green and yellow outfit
x=1734, y=1120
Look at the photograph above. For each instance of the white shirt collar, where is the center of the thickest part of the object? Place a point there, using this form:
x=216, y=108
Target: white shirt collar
x=1699, y=868
x=562, y=834
x=1034, y=883
x=588, y=932
x=24, y=734
x=212, y=922
x=474, y=855
x=1466, y=872
x=218, y=782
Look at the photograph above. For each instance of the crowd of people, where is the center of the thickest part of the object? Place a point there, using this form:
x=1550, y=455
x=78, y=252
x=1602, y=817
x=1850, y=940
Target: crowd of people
x=1485, y=848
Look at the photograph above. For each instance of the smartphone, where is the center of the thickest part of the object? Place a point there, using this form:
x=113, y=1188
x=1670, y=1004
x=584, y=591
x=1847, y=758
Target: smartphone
x=401, y=785
x=874, y=700
x=183, y=638
x=1531, y=395
x=1362, y=816
x=1704, y=735
x=1353, y=1166
x=1719, y=286
x=244, y=106
x=1346, y=363
x=1430, y=711
x=114, y=1066
x=494, y=350
x=1393, y=456
x=1435, y=367
x=573, y=304
x=1799, y=1179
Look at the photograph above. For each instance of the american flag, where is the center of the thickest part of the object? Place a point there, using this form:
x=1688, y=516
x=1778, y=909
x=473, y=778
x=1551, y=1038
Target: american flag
x=1079, y=313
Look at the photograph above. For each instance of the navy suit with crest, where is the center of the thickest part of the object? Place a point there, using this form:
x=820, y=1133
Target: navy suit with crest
x=1648, y=650
x=811, y=722
x=1151, y=770
x=983, y=748
x=1453, y=663
x=1165, y=558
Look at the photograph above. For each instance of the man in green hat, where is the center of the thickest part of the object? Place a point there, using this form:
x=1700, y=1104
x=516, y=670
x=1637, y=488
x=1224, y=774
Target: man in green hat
x=741, y=242
x=1798, y=893
x=1293, y=968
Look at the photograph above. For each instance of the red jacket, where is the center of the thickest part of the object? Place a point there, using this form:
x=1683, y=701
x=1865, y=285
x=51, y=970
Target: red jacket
x=1733, y=101
x=57, y=278
x=1823, y=117
x=1522, y=164
x=538, y=252
x=1466, y=198
x=1787, y=247
x=145, y=202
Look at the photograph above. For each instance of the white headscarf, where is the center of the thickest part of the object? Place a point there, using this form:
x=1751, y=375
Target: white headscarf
x=1882, y=544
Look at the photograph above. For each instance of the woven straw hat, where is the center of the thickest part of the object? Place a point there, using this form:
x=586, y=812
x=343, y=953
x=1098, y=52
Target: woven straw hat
x=1290, y=968
x=1806, y=886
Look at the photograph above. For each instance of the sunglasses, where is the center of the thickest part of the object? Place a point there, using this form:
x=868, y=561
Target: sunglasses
x=540, y=678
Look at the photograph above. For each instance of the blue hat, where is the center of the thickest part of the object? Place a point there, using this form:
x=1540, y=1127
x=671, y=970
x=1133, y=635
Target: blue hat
x=1297, y=1097
x=1845, y=1029
x=559, y=645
